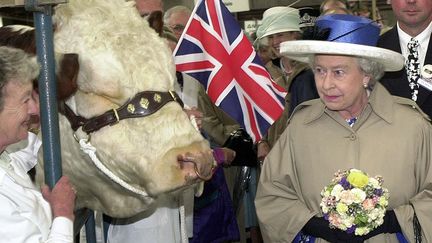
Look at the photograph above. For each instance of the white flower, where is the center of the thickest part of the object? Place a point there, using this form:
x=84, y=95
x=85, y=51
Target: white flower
x=325, y=209
x=347, y=197
x=375, y=183
x=373, y=214
x=383, y=201
x=361, y=231
x=379, y=221
x=337, y=189
x=347, y=220
x=325, y=193
x=359, y=195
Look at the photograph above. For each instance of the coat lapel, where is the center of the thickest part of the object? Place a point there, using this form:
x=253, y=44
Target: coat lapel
x=397, y=82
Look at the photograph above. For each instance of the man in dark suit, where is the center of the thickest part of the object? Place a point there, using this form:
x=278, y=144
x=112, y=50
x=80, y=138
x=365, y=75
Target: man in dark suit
x=414, y=20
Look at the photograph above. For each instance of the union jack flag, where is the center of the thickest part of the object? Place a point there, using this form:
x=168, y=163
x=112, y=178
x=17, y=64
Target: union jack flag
x=214, y=50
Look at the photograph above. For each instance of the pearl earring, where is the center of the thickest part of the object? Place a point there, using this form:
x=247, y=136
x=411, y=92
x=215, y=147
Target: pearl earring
x=365, y=85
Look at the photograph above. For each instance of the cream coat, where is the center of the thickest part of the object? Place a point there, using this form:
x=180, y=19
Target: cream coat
x=392, y=138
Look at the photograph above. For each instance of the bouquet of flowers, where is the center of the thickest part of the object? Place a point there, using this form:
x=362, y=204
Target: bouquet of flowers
x=354, y=202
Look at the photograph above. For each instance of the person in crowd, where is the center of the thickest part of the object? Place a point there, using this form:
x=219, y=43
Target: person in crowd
x=308, y=16
x=412, y=38
x=349, y=126
x=145, y=7
x=264, y=51
x=266, y=54
x=26, y=213
x=176, y=19
x=282, y=24
x=328, y=5
x=213, y=215
x=279, y=24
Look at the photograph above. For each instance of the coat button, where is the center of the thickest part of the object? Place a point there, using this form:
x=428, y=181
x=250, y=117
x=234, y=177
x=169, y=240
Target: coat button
x=352, y=137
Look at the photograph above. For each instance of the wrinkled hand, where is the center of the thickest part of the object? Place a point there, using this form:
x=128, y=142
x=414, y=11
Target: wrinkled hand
x=224, y=156
x=61, y=198
x=198, y=115
x=203, y=163
x=262, y=150
x=229, y=155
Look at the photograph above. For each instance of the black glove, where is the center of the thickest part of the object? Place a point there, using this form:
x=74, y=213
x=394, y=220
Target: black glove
x=242, y=144
x=319, y=228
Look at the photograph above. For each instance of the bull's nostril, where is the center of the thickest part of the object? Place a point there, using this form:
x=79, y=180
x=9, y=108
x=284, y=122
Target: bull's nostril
x=180, y=163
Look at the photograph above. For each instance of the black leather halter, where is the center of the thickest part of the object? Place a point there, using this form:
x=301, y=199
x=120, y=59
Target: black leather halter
x=142, y=104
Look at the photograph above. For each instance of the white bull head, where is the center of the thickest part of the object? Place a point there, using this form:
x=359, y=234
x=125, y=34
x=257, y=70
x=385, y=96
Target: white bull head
x=119, y=57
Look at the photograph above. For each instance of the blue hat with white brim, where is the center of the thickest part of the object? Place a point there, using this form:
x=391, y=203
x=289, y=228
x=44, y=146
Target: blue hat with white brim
x=349, y=35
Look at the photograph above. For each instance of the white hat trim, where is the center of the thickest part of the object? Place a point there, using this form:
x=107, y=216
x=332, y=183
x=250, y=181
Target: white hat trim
x=302, y=50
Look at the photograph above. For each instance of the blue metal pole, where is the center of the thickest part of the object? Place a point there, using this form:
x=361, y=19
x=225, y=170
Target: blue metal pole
x=48, y=102
x=90, y=228
x=48, y=96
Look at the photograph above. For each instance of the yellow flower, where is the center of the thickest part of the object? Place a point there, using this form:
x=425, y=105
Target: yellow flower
x=358, y=179
x=383, y=201
x=341, y=208
x=361, y=231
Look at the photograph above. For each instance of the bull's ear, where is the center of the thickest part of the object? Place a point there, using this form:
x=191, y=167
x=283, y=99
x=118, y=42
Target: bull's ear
x=156, y=22
x=67, y=75
x=21, y=37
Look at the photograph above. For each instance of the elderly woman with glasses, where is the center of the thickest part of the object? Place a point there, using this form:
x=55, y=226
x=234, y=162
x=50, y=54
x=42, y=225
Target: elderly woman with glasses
x=357, y=124
x=26, y=214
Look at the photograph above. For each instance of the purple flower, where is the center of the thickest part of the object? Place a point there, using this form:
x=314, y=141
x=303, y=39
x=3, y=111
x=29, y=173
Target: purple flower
x=378, y=192
x=326, y=216
x=344, y=183
x=351, y=229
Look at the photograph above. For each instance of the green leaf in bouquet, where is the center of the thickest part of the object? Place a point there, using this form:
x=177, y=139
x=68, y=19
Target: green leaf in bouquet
x=361, y=219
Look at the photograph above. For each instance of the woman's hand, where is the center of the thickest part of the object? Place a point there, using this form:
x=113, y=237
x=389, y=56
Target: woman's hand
x=263, y=149
x=61, y=198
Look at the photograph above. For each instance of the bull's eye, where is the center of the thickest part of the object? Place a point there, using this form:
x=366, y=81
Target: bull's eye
x=157, y=98
x=144, y=103
x=131, y=108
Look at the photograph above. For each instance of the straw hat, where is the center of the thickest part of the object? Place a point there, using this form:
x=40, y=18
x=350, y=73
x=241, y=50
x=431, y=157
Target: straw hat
x=349, y=35
x=277, y=20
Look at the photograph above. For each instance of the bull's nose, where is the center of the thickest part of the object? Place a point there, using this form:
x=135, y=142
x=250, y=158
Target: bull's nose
x=201, y=163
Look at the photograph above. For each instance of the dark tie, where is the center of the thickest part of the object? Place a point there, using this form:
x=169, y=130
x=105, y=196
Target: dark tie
x=412, y=67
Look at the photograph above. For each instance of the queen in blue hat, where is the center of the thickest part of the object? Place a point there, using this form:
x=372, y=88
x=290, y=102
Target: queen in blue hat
x=354, y=124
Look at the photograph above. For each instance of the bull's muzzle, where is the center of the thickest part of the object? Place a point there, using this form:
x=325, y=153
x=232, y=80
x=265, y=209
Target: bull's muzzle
x=203, y=163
